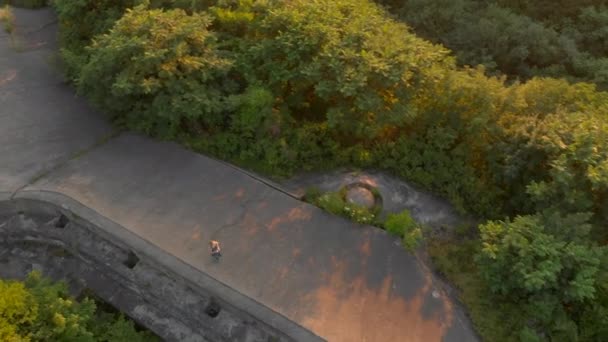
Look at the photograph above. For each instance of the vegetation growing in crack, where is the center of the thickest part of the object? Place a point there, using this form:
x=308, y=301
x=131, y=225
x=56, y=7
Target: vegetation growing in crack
x=7, y=19
x=405, y=227
x=336, y=203
x=401, y=224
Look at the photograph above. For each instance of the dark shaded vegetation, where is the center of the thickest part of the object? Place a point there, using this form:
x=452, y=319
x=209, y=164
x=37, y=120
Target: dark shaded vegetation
x=26, y=3
x=39, y=309
x=285, y=86
x=518, y=38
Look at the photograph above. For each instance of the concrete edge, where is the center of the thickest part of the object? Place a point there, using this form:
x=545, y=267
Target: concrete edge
x=266, y=181
x=5, y=196
x=34, y=201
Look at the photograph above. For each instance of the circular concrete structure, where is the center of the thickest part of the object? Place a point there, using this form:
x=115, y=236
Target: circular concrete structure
x=360, y=196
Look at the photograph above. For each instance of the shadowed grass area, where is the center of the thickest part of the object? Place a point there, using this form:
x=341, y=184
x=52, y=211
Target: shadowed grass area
x=494, y=320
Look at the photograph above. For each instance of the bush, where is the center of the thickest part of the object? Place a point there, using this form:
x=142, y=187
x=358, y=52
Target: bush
x=335, y=203
x=404, y=226
x=546, y=261
x=159, y=72
x=332, y=202
x=40, y=310
x=7, y=19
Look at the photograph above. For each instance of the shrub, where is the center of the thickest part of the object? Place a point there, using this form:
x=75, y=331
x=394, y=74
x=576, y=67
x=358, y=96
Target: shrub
x=547, y=261
x=335, y=203
x=332, y=202
x=359, y=214
x=404, y=226
x=159, y=72
x=7, y=19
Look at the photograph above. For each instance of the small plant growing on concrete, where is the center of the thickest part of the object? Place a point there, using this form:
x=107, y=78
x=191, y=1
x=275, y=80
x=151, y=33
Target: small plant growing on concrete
x=332, y=202
x=404, y=226
x=7, y=19
x=335, y=202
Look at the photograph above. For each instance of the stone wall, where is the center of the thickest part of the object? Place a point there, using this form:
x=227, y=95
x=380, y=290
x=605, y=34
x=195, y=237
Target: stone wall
x=65, y=247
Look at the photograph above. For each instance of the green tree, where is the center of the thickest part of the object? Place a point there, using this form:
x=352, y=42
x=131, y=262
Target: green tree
x=551, y=10
x=159, y=72
x=592, y=30
x=80, y=21
x=17, y=308
x=344, y=62
x=527, y=257
x=547, y=261
x=41, y=310
x=520, y=39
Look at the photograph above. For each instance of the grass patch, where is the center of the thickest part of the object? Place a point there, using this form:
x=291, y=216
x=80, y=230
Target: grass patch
x=404, y=226
x=401, y=224
x=7, y=19
x=494, y=320
x=335, y=202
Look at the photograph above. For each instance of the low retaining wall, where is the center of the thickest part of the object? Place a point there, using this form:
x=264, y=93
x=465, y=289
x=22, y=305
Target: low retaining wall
x=67, y=241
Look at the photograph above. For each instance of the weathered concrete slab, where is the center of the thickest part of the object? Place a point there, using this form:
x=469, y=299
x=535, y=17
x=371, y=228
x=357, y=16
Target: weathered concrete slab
x=343, y=281
x=42, y=123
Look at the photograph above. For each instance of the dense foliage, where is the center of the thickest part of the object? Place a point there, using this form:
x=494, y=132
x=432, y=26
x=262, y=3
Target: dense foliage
x=519, y=38
x=173, y=78
x=40, y=310
x=549, y=263
x=404, y=226
x=303, y=84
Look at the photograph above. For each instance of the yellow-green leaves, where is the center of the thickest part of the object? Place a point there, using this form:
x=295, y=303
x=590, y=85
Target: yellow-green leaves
x=157, y=70
x=337, y=60
x=41, y=310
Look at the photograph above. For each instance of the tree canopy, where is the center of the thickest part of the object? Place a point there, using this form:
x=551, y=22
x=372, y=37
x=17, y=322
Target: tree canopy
x=41, y=310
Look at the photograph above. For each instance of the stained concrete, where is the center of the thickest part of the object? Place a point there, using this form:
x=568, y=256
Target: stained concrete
x=342, y=281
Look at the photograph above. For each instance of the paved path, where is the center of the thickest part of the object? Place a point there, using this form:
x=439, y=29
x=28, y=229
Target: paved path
x=343, y=281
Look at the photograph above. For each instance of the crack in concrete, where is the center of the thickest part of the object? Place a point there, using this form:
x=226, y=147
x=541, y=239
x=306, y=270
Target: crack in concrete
x=258, y=196
x=46, y=172
x=254, y=176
